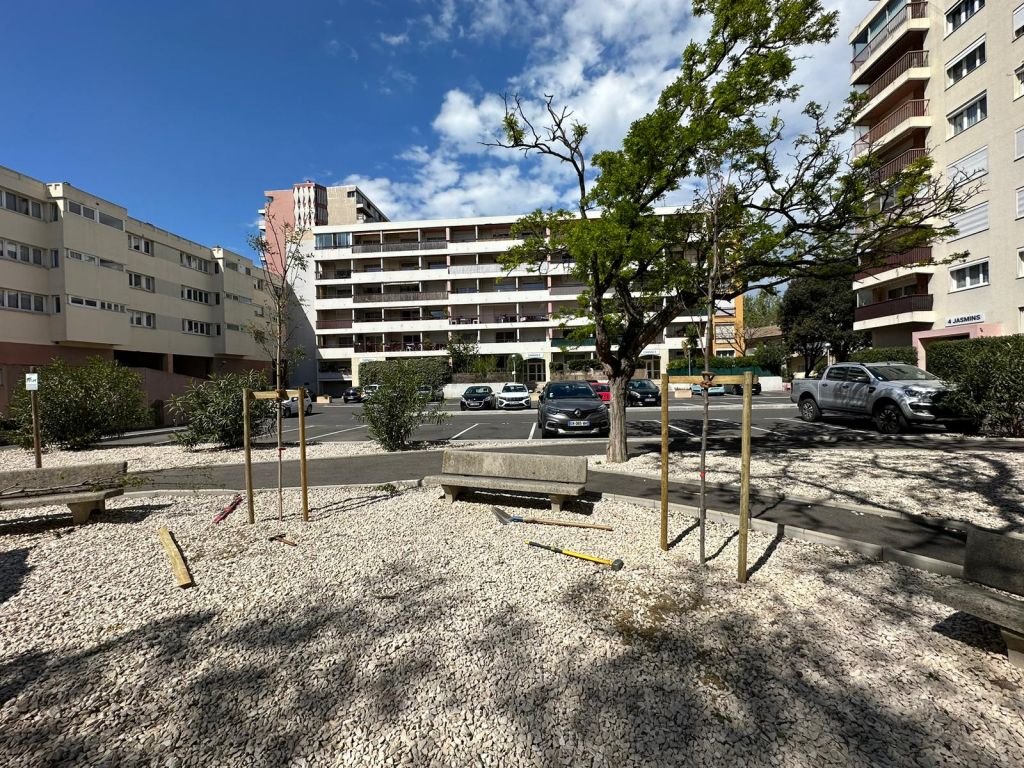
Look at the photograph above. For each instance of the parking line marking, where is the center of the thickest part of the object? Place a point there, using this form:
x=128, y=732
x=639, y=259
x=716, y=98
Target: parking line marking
x=833, y=426
x=673, y=426
x=453, y=437
x=328, y=434
x=532, y=430
x=740, y=426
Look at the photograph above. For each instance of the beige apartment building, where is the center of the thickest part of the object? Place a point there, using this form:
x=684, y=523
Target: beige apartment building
x=947, y=77
x=79, y=277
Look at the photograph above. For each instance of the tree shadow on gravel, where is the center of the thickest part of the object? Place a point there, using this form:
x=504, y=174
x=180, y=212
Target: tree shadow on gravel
x=14, y=568
x=430, y=666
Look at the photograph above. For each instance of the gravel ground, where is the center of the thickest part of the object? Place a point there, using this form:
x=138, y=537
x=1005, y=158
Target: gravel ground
x=402, y=631
x=984, y=489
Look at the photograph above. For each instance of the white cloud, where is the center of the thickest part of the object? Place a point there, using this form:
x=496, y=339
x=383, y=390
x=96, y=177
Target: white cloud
x=394, y=40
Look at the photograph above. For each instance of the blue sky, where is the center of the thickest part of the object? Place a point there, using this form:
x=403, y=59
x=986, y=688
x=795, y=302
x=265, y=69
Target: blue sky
x=185, y=112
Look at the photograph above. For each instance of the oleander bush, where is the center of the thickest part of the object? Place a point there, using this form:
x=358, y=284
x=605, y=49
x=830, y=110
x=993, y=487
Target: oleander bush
x=396, y=410
x=212, y=410
x=427, y=371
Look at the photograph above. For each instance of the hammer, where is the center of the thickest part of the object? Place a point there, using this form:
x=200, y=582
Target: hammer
x=281, y=537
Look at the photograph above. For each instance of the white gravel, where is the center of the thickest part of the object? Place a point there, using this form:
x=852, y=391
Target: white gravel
x=407, y=632
x=981, y=488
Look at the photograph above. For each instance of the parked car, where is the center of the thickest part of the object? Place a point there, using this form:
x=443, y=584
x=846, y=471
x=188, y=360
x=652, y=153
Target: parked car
x=571, y=408
x=603, y=391
x=368, y=391
x=477, y=398
x=642, y=392
x=714, y=389
x=513, y=395
x=352, y=395
x=737, y=389
x=894, y=394
x=290, y=406
x=427, y=392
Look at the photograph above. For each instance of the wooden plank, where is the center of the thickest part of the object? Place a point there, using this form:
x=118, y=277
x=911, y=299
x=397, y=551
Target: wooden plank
x=719, y=379
x=272, y=394
x=748, y=402
x=178, y=567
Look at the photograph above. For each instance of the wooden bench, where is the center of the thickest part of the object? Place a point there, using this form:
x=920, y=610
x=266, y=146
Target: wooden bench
x=558, y=477
x=83, y=488
x=996, y=561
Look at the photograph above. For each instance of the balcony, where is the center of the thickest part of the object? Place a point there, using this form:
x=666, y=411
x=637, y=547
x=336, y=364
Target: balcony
x=901, y=306
x=900, y=162
x=398, y=346
x=892, y=125
x=887, y=88
x=917, y=10
x=912, y=258
x=337, y=274
x=415, y=245
x=332, y=325
x=378, y=298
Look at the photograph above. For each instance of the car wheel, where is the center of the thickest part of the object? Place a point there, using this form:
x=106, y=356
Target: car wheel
x=889, y=419
x=462, y=406
x=605, y=432
x=809, y=410
x=309, y=410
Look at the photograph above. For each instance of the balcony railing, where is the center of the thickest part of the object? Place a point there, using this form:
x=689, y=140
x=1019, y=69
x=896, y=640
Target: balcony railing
x=897, y=164
x=475, y=269
x=909, y=11
x=902, y=113
x=338, y=274
x=398, y=346
x=908, y=61
x=919, y=303
x=367, y=298
x=414, y=245
x=914, y=257
x=328, y=325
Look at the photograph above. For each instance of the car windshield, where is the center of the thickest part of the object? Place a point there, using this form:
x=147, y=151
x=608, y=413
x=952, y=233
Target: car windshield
x=901, y=373
x=513, y=388
x=565, y=391
x=600, y=387
x=478, y=391
x=643, y=384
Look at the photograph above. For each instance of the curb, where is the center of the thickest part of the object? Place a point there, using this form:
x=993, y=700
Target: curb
x=867, y=549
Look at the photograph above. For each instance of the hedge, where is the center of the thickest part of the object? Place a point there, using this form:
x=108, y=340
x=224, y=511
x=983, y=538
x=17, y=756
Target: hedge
x=726, y=366
x=906, y=355
x=432, y=371
x=987, y=377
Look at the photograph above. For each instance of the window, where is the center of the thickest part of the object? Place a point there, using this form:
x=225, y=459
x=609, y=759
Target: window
x=27, y=302
x=968, y=115
x=1018, y=144
x=26, y=254
x=55, y=258
x=79, y=256
x=970, y=167
x=966, y=62
x=19, y=204
x=233, y=326
x=142, y=282
x=194, y=262
x=1020, y=202
x=11, y=202
x=971, y=276
x=1018, y=82
x=900, y=291
x=111, y=221
x=971, y=221
x=200, y=328
x=114, y=265
x=231, y=265
x=81, y=302
x=88, y=213
x=141, y=319
x=140, y=244
x=74, y=208
x=37, y=210
x=505, y=337
x=111, y=306
x=334, y=240
x=1018, y=22
x=1020, y=262
x=56, y=305
x=961, y=12
x=194, y=294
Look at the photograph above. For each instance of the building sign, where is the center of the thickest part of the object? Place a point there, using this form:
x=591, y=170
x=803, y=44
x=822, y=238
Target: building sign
x=974, y=317
x=534, y=355
x=32, y=382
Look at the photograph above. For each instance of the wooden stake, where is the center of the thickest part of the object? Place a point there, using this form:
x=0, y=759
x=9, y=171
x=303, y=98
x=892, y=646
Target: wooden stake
x=664, y=462
x=180, y=570
x=302, y=454
x=748, y=402
x=246, y=400
x=37, y=443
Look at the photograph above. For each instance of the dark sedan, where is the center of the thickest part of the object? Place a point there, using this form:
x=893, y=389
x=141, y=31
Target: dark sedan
x=642, y=392
x=477, y=398
x=571, y=408
x=352, y=395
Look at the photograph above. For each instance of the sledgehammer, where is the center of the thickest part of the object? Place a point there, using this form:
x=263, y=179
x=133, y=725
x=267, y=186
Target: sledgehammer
x=281, y=537
x=615, y=565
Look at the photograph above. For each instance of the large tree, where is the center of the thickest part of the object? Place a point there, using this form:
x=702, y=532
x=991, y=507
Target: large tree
x=817, y=316
x=754, y=220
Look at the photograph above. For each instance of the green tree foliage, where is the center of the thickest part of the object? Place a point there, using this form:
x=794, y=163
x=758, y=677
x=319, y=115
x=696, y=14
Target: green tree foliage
x=754, y=222
x=79, y=405
x=761, y=309
x=463, y=351
x=213, y=410
x=987, y=377
x=906, y=355
x=817, y=315
x=771, y=356
x=427, y=371
x=396, y=410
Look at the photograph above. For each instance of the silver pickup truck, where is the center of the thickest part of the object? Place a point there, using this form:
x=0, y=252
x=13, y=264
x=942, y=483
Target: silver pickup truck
x=893, y=394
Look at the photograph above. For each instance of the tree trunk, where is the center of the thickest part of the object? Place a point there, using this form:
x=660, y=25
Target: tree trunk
x=618, y=450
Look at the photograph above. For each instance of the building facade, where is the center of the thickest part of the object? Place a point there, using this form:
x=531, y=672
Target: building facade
x=79, y=277
x=388, y=290
x=947, y=78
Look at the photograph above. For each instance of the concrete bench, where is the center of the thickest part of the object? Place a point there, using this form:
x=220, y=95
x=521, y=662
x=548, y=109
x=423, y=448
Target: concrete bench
x=83, y=488
x=996, y=561
x=558, y=477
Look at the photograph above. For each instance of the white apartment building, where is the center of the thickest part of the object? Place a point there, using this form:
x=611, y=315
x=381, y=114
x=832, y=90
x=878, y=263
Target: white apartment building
x=947, y=76
x=79, y=277
x=388, y=290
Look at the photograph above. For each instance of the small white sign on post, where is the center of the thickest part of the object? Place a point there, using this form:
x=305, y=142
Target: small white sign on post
x=32, y=382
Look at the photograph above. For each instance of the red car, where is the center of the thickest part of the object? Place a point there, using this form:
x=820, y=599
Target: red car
x=602, y=390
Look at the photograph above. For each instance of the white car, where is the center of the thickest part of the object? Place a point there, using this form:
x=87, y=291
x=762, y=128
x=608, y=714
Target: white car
x=368, y=391
x=513, y=395
x=290, y=406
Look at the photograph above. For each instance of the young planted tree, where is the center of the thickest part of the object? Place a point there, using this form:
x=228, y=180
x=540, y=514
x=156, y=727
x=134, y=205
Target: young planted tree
x=283, y=261
x=755, y=221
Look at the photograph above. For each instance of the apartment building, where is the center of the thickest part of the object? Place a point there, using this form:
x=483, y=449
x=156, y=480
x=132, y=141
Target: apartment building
x=79, y=277
x=947, y=77
x=389, y=290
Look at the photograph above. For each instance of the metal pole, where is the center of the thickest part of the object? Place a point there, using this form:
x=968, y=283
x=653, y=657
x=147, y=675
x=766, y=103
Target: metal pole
x=246, y=399
x=37, y=443
x=748, y=401
x=302, y=453
x=664, y=461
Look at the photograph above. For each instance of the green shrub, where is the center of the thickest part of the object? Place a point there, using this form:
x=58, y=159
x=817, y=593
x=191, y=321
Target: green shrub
x=396, y=410
x=987, y=377
x=213, y=410
x=906, y=355
x=770, y=356
x=428, y=371
x=584, y=364
x=79, y=405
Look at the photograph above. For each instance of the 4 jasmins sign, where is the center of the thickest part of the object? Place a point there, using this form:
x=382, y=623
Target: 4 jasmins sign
x=974, y=317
